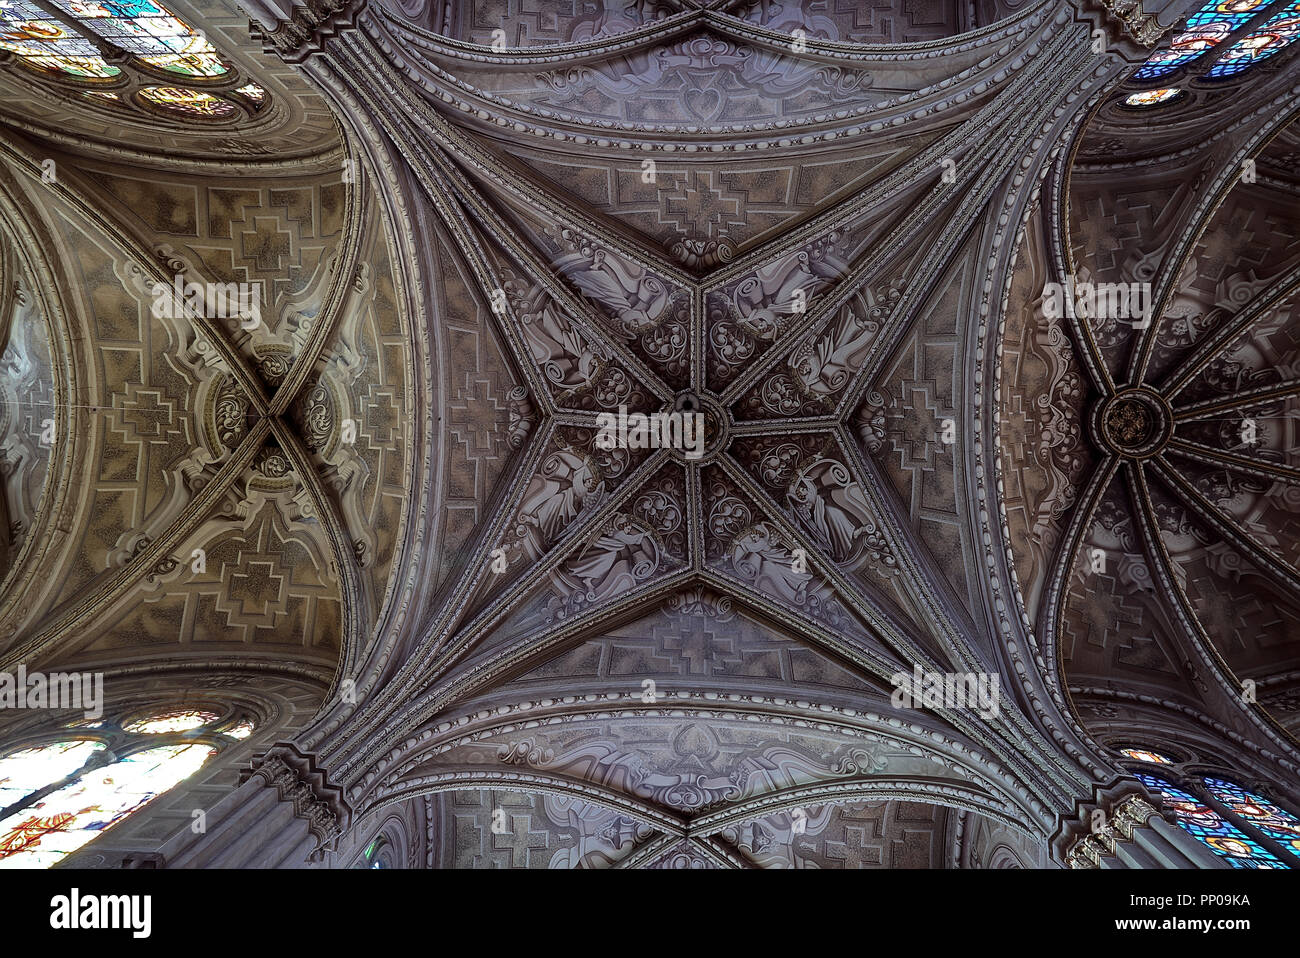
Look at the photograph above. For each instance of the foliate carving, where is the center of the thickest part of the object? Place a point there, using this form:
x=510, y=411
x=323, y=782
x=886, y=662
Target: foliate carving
x=626, y=553
x=1130, y=814
x=752, y=548
x=761, y=306
x=522, y=416
x=661, y=505
x=692, y=773
x=1100, y=829
x=700, y=601
x=272, y=464
x=273, y=364
x=230, y=412
x=870, y=423
x=700, y=80
x=317, y=415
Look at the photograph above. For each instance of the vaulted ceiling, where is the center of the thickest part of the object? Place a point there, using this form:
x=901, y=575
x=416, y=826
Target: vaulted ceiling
x=480, y=226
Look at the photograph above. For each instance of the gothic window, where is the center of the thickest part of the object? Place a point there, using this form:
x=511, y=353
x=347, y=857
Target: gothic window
x=180, y=720
x=376, y=854
x=150, y=32
x=57, y=796
x=23, y=772
x=46, y=43
x=1209, y=827
x=1152, y=97
x=134, y=52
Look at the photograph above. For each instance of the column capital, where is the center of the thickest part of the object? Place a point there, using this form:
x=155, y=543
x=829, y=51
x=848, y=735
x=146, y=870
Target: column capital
x=1133, y=27
x=297, y=779
x=1113, y=815
x=297, y=30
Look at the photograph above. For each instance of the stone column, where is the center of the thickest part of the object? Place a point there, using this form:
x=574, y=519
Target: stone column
x=284, y=815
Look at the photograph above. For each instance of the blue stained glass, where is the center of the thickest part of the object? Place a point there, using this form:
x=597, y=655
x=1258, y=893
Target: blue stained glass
x=1270, y=37
x=149, y=31
x=1206, y=29
x=1210, y=828
x=1273, y=821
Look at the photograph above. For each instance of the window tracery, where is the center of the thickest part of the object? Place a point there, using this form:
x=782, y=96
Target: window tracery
x=1210, y=828
x=1219, y=41
x=130, y=49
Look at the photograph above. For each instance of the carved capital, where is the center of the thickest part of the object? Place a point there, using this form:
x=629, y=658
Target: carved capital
x=307, y=26
x=297, y=780
x=1142, y=27
x=1113, y=816
x=1131, y=28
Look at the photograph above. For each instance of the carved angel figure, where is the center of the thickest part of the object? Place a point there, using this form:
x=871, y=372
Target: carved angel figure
x=559, y=350
x=555, y=497
x=637, y=298
x=824, y=363
x=767, y=298
x=830, y=503
x=758, y=557
x=624, y=555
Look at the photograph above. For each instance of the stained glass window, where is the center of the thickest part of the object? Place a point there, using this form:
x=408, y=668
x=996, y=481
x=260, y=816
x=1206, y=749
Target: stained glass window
x=1206, y=29
x=1205, y=824
x=47, y=830
x=76, y=43
x=1261, y=43
x=33, y=768
x=149, y=31
x=1273, y=821
x=27, y=30
x=189, y=102
x=178, y=720
x=1142, y=755
x=240, y=731
x=1152, y=97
